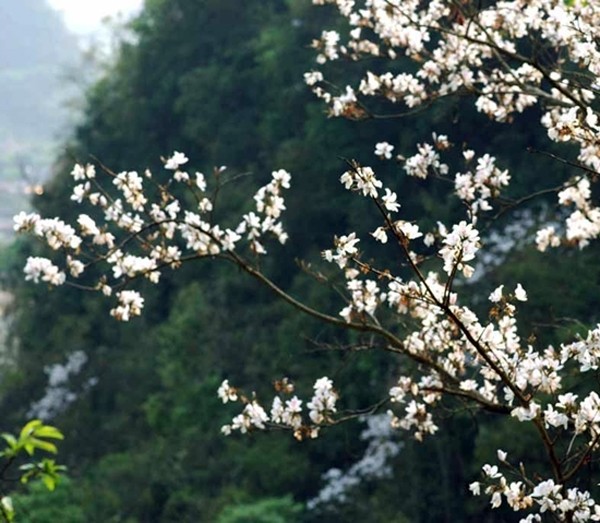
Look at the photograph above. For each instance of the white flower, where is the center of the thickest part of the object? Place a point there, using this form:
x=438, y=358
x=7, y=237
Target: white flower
x=347, y=244
x=130, y=304
x=547, y=492
x=496, y=296
x=255, y=415
x=460, y=246
x=88, y=226
x=323, y=401
x=75, y=267
x=226, y=392
x=410, y=230
x=475, y=488
x=429, y=239
x=491, y=471
x=526, y=413
x=389, y=201
x=384, y=150
x=78, y=172
x=24, y=222
x=181, y=176
x=313, y=78
x=175, y=161
x=546, y=237
x=496, y=500
x=468, y=154
x=380, y=235
x=345, y=247
x=200, y=181
x=282, y=177
x=80, y=191
x=361, y=179
x=38, y=268
x=520, y=293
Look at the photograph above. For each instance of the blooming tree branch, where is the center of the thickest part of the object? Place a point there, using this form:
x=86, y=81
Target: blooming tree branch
x=145, y=224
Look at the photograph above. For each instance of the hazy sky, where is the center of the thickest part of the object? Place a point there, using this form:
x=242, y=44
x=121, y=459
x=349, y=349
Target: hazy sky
x=85, y=16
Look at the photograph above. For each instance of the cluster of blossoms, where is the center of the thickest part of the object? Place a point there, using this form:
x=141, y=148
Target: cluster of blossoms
x=546, y=496
x=416, y=416
x=459, y=246
x=427, y=159
x=476, y=187
x=145, y=229
x=583, y=224
x=464, y=48
x=284, y=413
x=459, y=354
x=41, y=268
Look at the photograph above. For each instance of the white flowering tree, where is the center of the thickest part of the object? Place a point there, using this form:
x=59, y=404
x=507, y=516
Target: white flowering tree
x=506, y=56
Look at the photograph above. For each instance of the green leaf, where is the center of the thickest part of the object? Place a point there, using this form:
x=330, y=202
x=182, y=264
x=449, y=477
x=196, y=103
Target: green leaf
x=7, y=508
x=37, y=443
x=31, y=436
x=29, y=428
x=46, y=431
x=10, y=439
x=50, y=481
x=47, y=471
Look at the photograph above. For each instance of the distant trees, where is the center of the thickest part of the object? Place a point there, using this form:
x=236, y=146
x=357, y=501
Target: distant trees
x=36, y=52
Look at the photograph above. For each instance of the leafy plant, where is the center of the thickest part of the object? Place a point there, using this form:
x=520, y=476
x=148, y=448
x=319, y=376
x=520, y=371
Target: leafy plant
x=34, y=436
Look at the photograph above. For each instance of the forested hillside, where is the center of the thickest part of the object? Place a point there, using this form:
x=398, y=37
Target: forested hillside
x=223, y=81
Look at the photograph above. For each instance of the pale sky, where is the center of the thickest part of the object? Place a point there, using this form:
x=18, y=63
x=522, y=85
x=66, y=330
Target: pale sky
x=85, y=16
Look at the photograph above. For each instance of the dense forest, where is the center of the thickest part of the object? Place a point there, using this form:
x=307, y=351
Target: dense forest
x=223, y=81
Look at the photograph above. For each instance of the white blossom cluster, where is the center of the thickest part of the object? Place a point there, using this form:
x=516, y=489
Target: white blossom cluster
x=477, y=188
x=460, y=48
x=485, y=361
x=284, y=413
x=542, y=497
x=425, y=161
x=144, y=228
x=459, y=246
